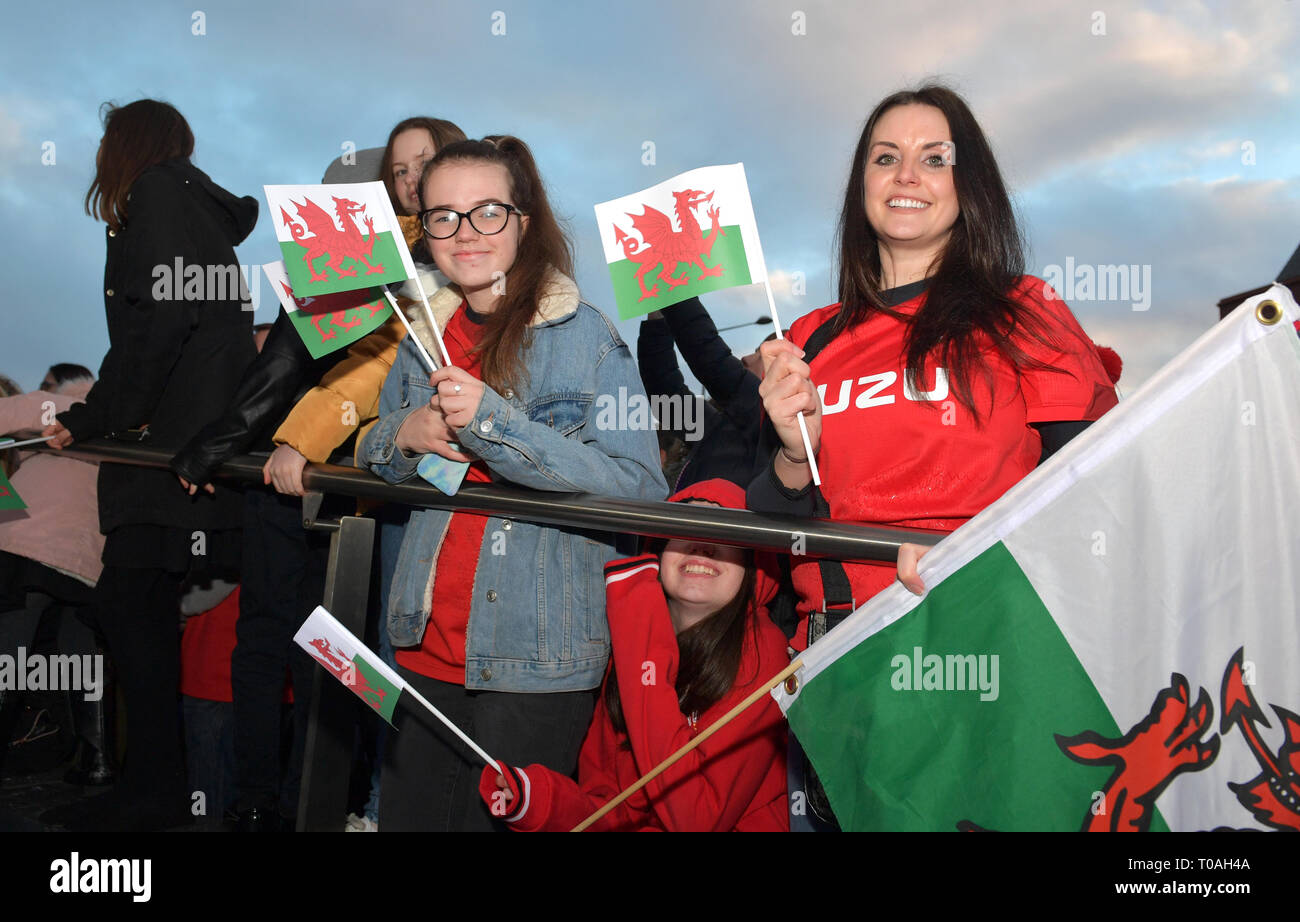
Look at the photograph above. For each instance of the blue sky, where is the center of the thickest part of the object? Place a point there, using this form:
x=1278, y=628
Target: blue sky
x=1163, y=134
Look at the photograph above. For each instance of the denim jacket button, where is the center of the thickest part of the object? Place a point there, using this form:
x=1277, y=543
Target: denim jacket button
x=486, y=673
x=485, y=426
x=509, y=394
x=491, y=595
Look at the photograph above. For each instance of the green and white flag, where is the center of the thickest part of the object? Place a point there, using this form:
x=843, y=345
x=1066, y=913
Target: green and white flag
x=359, y=668
x=338, y=237
x=1112, y=644
x=329, y=322
x=9, y=498
x=687, y=235
x=350, y=661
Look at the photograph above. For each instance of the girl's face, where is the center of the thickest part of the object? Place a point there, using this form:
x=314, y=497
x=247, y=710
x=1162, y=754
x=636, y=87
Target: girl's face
x=411, y=150
x=472, y=260
x=700, y=577
x=911, y=200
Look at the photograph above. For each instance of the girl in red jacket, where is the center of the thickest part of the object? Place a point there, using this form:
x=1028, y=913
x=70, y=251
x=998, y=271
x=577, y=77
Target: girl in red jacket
x=690, y=640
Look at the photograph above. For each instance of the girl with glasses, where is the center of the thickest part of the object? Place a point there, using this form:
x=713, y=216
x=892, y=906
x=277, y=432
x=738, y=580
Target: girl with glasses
x=499, y=623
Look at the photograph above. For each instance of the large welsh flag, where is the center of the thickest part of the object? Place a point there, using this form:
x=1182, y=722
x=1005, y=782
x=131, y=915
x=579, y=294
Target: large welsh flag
x=1113, y=644
x=688, y=235
x=350, y=661
x=329, y=322
x=338, y=237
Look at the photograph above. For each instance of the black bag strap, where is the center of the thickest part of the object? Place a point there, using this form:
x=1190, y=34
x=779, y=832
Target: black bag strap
x=838, y=602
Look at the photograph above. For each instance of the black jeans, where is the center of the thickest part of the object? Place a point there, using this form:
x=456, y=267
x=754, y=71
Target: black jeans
x=138, y=610
x=283, y=579
x=431, y=778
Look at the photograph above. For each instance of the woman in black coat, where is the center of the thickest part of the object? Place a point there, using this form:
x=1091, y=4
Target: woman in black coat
x=180, y=337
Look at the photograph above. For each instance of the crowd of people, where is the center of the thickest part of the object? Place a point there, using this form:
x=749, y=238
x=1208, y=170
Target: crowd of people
x=579, y=659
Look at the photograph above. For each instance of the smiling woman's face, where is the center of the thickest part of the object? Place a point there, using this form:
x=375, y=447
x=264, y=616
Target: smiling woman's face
x=700, y=576
x=911, y=200
x=472, y=260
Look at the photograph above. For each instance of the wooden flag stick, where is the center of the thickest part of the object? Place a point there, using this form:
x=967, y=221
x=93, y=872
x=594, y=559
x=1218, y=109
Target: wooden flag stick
x=714, y=728
x=803, y=427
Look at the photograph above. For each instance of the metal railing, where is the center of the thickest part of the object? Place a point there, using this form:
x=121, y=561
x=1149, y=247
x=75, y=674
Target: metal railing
x=327, y=761
x=817, y=537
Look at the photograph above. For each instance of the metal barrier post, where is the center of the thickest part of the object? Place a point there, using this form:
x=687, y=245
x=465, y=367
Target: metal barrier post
x=327, y=758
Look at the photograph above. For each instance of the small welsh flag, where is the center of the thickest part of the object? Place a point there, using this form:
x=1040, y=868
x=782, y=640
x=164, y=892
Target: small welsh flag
x=9, y=498
x=338, y=237
x=351, y=662
x=329, y=322
x=688, y=235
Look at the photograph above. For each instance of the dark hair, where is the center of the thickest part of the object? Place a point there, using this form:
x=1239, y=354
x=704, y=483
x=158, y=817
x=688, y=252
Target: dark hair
x=708, y=654
x=969, y=302
x=136, y=136
x=440, y=130
x=543, y=248
x=67, y=372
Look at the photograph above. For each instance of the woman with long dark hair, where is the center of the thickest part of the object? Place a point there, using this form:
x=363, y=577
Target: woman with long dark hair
x=944, y=373
x=179, y=340
x=691, y=639
x=500, y=623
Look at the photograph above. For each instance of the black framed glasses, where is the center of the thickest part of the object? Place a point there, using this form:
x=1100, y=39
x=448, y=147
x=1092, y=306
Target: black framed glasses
x=489, y=219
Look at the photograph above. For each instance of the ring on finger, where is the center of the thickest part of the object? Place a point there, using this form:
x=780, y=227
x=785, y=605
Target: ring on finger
x=456, y=388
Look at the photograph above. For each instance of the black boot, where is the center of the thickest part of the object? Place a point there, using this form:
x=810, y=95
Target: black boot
x=93, y=764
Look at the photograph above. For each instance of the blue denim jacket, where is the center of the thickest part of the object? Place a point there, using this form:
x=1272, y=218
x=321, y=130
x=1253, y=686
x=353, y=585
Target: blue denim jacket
x=537, y=619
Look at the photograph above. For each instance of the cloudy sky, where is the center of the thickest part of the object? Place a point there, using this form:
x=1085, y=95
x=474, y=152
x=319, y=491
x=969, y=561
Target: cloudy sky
x=1161, y=134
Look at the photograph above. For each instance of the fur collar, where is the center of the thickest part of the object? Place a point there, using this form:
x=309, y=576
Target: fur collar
x=560, y=300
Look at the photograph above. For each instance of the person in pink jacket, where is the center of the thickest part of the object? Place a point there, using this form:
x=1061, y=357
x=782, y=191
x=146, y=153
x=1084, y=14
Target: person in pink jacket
x=60, y=526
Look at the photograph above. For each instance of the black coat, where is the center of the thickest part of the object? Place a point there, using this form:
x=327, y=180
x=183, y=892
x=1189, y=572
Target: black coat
x=729, y=443
x=178, y=342
x=269, y=389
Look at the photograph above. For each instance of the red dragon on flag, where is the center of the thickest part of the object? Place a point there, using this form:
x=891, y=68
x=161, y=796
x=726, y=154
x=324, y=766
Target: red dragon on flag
x=1167, y=742
x=342, y=240
x=331, y=317
x=666, y=247
x=343, y=669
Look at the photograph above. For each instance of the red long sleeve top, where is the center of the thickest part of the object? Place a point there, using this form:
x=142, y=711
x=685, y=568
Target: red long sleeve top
x=735, y=780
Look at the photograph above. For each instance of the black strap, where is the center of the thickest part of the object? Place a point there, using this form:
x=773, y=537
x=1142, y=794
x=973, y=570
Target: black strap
x=838, y=602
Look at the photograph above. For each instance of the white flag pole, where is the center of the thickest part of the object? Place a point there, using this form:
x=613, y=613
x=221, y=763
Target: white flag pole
x=453, y=728
x=8, y=444
x=429, y=363
x=428, y=315
x=803, y=427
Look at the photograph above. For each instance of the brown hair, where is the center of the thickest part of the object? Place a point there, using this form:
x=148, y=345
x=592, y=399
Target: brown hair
x=709, y=654
x=969, y=301
x=136, y=136
x=544, y=247
x=440, y=130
